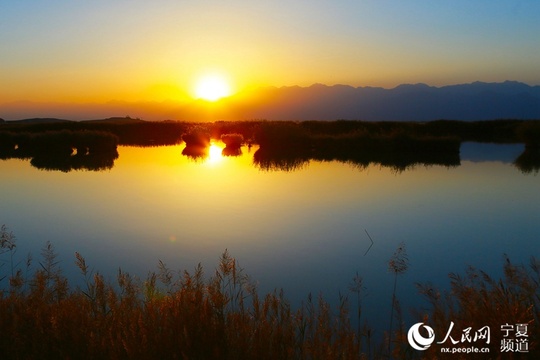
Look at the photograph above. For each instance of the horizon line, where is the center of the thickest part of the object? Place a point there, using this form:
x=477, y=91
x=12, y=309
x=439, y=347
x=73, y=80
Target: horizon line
x=254, y=89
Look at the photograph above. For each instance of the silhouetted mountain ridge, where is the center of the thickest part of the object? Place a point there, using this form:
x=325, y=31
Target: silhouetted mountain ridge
x=414, y=102
x=406, y=102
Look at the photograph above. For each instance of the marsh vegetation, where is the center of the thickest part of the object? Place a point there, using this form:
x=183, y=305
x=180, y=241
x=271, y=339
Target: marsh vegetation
x=188, y=314
x=233, y=144
x=219, y=313
x=283, y=145
x=62, y=150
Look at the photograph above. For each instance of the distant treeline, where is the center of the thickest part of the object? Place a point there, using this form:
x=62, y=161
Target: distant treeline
x=287, y=145
x=128, y=131
x=283, y=144
x=59, y=142
x=494, y=131
x=138, y=132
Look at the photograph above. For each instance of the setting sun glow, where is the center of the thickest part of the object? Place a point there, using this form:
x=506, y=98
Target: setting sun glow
x=214, y=153
x=212, y=88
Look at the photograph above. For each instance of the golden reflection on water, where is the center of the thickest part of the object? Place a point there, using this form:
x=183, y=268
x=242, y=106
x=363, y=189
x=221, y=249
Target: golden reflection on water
x=214, y=153
x=157, y=204
x=172, y=156
x=156, y=195
x=200, y=185
x=303, y=230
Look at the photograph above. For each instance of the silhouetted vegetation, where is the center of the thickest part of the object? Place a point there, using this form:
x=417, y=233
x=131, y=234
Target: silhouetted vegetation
x=177, y=315
x=494, y=131
x=245, y=128
x=529, y=133
x=196, y=152
x=361, y=151
x=197, y=137
x=92, y=162
x=295, y=136
x=128, y=131
x=478, y=300
x=61, y=150
x=167, y=316
x=529, y=161
x=279, y=160
x=197, y=141
x=280, y=135
x=287, y=145
x=232, y=141
x=60, y=142
x=228, y=151
x=398, y=264
x=139, y=132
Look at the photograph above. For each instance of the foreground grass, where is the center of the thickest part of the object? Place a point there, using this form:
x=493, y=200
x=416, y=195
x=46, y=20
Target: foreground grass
x=188, y=315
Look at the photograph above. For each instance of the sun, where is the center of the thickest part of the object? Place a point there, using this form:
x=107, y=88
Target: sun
x=212, y=87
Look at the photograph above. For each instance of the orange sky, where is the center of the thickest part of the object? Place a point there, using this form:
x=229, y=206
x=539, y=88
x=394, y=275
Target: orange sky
x=100, y=51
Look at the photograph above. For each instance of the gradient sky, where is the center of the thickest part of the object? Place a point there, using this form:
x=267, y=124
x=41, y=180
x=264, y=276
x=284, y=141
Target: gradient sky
x=96, y=51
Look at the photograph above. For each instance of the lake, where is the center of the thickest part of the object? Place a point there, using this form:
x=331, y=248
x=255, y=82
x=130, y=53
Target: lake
x=304, y=230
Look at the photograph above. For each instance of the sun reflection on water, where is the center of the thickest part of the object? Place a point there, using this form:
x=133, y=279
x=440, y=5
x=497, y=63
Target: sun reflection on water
x=215, y=154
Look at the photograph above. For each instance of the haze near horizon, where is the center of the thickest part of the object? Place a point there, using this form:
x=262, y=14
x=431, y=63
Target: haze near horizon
x=64, y=54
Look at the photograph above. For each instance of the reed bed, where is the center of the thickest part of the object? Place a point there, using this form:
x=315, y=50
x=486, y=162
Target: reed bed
x=147, y=133
x=232, y=141
x=191, y=315
x=529, y=133
x=477, y=299
x=197, y=136
x=62, y=150
x=61, y=142
x=167, y=316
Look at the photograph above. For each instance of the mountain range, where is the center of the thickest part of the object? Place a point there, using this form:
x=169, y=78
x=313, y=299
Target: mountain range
x=407, y=102
x=418, y=102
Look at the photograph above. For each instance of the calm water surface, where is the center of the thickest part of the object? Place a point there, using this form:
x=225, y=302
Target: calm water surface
x=303, y=230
